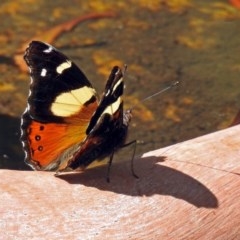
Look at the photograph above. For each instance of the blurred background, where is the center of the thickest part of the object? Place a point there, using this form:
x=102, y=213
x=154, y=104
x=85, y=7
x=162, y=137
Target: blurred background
x=196, y=42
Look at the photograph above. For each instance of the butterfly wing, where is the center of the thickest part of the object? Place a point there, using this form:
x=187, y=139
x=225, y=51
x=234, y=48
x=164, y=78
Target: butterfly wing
x=107, y=130
x=60, y=105
x=111, y=100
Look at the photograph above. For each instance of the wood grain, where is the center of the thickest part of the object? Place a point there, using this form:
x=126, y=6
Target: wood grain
x=190, y=190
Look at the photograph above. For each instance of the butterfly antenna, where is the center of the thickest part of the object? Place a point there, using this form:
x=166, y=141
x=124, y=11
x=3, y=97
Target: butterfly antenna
x=124, y=69
x=130, y=110
x=157, y=93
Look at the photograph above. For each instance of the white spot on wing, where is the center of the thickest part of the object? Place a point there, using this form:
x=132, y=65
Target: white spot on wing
x=48, y=50
x=117, y=84
x=64, y=66
x=43, y=72
x=31, y=79
x=28, y=107
x=107, y=93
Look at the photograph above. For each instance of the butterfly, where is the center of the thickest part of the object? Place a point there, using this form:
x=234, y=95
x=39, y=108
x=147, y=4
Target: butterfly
x=66, y=125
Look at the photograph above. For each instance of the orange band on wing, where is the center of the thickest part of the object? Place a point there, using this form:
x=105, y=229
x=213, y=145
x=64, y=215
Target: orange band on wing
x=48, y=141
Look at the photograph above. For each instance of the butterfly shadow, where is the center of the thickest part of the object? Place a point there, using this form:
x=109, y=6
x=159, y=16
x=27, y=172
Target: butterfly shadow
x=153, y=179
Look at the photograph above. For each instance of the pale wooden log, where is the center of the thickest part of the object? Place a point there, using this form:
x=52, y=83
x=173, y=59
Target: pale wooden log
x=190, y=190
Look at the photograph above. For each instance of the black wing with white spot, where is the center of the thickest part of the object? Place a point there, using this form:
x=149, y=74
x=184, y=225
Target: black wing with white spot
x=54, y=78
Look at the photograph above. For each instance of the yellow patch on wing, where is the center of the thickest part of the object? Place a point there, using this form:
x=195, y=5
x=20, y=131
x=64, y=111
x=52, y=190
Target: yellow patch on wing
x=117, y=84
x=69, y=103
x=111, y=109
x=64, y=66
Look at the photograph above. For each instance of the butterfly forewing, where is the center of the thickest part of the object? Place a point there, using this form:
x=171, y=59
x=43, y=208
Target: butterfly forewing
x=56, y=81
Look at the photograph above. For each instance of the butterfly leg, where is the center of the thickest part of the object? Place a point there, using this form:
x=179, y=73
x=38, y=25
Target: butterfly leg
x=133, y=155
x=132, y=163
x=109, y=167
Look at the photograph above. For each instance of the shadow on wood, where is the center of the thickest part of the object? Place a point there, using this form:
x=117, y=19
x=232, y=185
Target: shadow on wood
x=186, y=191
x=153, y=179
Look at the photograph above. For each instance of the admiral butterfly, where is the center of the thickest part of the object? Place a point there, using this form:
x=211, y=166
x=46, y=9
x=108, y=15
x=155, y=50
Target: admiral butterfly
x=65, y=126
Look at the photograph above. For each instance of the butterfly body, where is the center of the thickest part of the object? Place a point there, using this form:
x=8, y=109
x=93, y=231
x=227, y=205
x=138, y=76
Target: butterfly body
x=65, y=126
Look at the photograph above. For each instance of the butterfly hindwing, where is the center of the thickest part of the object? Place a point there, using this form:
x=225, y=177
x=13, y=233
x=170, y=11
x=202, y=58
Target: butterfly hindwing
x=112, y=97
